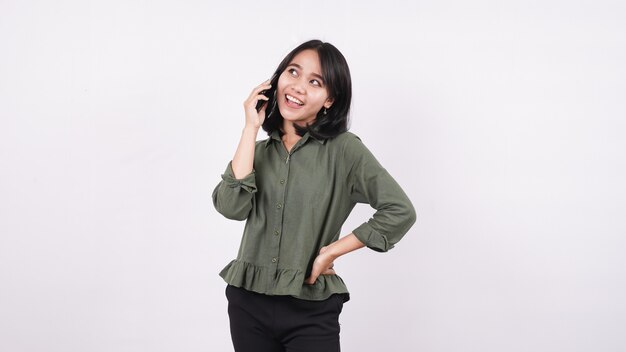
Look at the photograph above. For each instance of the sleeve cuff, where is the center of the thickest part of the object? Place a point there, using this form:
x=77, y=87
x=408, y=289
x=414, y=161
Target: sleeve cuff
x=248, y=183
x=372, y=238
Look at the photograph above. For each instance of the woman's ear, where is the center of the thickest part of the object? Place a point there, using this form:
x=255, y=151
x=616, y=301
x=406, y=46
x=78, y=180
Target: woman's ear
x=329, y=102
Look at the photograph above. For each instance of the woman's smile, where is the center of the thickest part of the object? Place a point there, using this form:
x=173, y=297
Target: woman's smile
x=293, y=102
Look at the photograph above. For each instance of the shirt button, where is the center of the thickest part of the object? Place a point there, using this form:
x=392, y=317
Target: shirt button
x=274, y=260
x=279, y=205
x=276, y=232
x=282, y=182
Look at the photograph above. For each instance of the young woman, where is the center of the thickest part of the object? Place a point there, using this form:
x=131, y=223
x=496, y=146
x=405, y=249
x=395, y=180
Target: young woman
x=295, y=189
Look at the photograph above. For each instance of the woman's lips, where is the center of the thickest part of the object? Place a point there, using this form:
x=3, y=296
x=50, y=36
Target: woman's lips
x=291, y=104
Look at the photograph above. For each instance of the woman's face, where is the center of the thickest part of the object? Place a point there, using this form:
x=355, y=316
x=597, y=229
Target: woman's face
x=301, y=91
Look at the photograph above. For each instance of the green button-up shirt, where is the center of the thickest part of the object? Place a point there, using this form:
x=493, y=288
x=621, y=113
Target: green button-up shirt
x=296, y=202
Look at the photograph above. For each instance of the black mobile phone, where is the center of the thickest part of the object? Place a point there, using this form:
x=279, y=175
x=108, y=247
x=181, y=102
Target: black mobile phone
x=268, y=93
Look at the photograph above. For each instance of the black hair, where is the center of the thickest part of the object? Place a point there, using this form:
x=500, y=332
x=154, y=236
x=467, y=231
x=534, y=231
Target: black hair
x=336, y=75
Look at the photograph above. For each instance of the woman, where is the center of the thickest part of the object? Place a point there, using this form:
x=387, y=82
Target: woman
x=295, y=189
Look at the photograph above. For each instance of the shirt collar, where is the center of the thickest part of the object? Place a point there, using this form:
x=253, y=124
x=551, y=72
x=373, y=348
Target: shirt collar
x=275, y=136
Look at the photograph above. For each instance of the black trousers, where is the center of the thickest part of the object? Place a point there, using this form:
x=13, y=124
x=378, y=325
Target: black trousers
x=262, y=323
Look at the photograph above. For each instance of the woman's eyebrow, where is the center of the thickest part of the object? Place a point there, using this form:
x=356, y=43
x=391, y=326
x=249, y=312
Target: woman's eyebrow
x=312, y=73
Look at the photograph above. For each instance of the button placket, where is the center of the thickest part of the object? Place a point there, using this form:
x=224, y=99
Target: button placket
x=274, y=255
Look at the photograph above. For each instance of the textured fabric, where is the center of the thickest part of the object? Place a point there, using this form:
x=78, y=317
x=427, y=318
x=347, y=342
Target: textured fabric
x=295, y=203
x=262, y=323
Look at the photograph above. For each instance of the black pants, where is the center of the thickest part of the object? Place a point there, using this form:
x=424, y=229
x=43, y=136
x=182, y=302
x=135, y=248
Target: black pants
x=262, y=323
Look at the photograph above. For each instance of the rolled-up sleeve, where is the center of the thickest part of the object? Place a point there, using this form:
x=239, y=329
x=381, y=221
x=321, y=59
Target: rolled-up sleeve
x=371, y=183
x=233, y=197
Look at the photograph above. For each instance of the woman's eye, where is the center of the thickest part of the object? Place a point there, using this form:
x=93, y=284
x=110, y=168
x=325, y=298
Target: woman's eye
x=316, y=82
x=293, y=71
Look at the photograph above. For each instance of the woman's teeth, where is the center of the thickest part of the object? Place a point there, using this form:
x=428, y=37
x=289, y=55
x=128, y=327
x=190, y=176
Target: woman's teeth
x=294, y=100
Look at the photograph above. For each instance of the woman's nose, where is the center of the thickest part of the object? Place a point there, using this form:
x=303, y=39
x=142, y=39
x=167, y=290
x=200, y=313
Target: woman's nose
x=298, y=86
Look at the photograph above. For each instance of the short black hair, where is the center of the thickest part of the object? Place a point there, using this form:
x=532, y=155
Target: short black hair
x=336, y=75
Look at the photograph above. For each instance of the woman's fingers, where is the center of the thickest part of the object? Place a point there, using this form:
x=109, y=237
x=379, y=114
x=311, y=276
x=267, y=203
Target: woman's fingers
x=255, y=95
x=258, y=91
x=263, y=86
x=311, y=279
x=320, y=267
x=256, y=117
x=329, y=271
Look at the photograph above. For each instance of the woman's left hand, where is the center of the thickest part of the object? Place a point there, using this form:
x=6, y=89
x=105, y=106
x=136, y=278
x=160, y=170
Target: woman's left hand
x=323, y=265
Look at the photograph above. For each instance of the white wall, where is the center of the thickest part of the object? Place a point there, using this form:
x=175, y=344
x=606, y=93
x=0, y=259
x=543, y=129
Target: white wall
x=503, y=120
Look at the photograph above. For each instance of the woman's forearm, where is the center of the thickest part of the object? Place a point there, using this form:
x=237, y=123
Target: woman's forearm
x=344, y=245
x=323, y=263
x=243, y=160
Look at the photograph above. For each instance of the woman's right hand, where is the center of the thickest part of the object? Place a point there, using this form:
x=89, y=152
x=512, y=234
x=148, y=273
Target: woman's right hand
x=253, y=118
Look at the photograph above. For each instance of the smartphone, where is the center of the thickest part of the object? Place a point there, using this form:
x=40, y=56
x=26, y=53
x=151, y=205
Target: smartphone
x=268, y=93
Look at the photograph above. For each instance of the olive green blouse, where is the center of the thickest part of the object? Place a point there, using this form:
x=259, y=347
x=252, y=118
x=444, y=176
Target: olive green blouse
x=294, y=203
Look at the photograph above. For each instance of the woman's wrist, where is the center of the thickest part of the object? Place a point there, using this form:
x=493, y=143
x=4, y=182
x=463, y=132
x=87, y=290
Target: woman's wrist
x=248, y=128
x=243, y=161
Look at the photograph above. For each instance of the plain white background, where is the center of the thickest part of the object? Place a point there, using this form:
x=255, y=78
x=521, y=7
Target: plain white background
x=503, y=120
